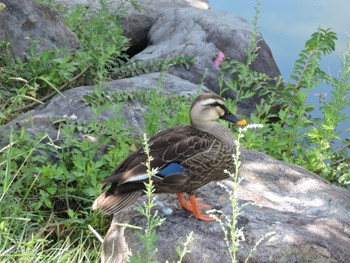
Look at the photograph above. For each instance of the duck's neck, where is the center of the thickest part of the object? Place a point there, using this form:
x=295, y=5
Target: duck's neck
x=219, y=131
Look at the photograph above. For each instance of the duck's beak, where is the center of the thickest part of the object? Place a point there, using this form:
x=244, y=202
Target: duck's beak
x=228, y=116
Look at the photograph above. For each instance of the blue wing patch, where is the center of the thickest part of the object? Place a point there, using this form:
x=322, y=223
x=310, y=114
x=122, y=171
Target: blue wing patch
x=170, y=169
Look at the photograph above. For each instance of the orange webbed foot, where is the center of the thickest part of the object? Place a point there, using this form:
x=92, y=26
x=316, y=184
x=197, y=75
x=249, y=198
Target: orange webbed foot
x=194, y=207
x=184, y=204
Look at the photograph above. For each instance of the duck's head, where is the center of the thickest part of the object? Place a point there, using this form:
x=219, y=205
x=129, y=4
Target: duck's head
x=209, y=107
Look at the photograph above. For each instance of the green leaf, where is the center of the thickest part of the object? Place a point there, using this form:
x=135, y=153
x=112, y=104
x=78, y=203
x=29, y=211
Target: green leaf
x=51, y=190
x=48, y=203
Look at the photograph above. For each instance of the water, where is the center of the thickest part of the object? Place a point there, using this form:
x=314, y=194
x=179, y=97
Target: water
x=286, y=25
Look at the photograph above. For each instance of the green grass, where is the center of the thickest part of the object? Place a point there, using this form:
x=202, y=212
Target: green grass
x=102, y=56
x=25, y=84
x=54, y=198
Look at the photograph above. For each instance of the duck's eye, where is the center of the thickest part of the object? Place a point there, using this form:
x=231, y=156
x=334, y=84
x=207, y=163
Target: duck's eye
x=216, y=104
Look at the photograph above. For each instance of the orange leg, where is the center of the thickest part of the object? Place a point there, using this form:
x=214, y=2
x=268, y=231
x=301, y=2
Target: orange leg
x=187, y=205
x=193, y=207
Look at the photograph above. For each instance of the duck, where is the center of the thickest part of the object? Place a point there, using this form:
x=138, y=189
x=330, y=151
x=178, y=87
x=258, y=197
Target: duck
x=187, y=157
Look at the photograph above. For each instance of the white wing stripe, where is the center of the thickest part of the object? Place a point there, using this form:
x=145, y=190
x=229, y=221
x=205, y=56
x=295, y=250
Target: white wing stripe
x=136, y=178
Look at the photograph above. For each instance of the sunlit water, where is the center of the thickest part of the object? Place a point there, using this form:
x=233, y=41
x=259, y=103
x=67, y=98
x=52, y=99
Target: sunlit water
x=286, y=25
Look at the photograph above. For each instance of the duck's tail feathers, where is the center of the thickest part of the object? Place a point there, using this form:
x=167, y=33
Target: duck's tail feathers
x=114, y=203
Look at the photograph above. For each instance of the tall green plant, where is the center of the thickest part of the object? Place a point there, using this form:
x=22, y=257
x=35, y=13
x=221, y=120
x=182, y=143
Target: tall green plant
x=237, y=75
x=149, y=236
x=329, y=155
x=291, y=132
x=101, y=37
x=233, y=235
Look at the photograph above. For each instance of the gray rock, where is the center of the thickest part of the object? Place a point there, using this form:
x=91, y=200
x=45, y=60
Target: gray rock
x=138, y=22
x=202, y=34
x=161, y=29
x=308, y=219
x=24, y=21
x=39, y=119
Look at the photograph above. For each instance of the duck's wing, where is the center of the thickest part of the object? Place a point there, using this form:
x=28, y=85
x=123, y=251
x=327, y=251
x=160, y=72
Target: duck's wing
x=169, y=149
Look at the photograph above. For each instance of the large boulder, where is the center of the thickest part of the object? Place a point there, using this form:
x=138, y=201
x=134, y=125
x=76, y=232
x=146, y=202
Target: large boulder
x=203, y=34
x=25, y=21
x=304, y=218
x=138, y=22
x=139, y=19
x=163, y=29
x=40, y=119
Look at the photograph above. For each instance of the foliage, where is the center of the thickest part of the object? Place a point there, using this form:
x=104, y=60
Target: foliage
x=182, y=251
x=102, y=55
x=54, y=197
x=22, y=83
x=101, y=37
x=161, y=114
x=48, y=182
x=332, y=164
x=138, y=67
x=149, y=236
x=27, y=83
x=290, y=132
x=158, y=113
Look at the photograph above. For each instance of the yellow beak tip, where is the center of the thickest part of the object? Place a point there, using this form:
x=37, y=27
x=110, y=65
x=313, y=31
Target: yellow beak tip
x=242, y=122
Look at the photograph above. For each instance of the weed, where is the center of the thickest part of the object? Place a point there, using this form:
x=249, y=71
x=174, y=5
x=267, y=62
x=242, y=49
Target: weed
x=53, y=181
x=291, y=133
x=55, y=196
x=233, y=235
x=149, y=236
x=101, y=37
x=25, y=84
x=184, y=250
x=138, y=67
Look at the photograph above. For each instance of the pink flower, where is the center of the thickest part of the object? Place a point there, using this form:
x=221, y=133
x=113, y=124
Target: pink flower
x=219, y=59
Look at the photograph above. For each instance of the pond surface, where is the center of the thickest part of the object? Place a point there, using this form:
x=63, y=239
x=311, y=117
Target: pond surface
x=287, y=25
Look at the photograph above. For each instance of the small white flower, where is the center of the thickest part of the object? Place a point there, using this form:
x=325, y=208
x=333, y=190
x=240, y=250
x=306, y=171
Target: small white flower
x=250, y=126
x=73, y=117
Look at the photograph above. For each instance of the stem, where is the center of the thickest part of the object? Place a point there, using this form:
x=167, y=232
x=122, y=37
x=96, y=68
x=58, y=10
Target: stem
x=61, y=88
x=297, y=86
